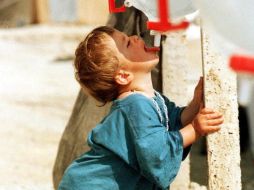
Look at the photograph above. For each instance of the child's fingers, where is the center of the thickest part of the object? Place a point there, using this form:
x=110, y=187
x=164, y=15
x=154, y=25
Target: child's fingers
x=209, y=129
x=199, y=87
x=213, y=129
x=200, y=82
x=206, y=111
x=201, y=106
x=214, y=115
x=215, y=122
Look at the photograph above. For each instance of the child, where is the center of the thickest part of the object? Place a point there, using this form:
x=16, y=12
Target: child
x=140, y=144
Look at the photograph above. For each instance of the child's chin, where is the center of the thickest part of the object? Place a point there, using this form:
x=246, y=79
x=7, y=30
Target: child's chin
x=152, y=57
x=154, y=60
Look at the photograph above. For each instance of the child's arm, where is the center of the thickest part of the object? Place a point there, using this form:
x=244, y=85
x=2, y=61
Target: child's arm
x=192, y=109
x=189, y=134
x=207, y=121
x=189, y=113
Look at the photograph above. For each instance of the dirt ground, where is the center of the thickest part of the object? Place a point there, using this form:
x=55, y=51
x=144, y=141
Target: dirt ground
x=37, y=92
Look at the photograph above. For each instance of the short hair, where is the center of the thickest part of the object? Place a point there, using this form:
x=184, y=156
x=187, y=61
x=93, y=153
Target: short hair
x=96, y=64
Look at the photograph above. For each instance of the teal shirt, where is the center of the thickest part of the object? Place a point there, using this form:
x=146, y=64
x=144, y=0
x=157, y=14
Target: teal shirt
x=130, y=149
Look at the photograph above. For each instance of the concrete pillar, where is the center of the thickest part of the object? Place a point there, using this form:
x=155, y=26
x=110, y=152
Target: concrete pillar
x=175, y=87
x=221, y=94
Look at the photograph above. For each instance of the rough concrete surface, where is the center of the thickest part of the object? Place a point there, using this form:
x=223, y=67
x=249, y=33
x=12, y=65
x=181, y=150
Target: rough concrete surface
x=221, y=95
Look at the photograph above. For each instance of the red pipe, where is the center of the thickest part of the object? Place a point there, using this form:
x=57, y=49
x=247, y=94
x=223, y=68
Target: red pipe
x=241, y=63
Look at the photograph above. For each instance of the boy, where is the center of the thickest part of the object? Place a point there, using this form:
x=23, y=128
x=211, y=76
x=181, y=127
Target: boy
x=141, y=142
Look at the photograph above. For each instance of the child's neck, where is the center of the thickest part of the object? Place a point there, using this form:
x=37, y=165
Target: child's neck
x=142, y=85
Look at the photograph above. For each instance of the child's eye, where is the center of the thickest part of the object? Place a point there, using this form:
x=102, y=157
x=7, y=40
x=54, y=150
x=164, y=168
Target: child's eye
x=128, y=44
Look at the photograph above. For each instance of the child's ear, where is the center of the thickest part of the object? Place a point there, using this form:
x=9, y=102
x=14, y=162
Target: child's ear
x=123, y=77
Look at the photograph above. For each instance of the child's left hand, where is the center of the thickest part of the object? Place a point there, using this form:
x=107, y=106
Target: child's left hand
x=207, y=121
x=198, y=93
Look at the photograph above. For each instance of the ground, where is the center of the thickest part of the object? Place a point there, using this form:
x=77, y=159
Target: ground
x=37, y=92
x=37, y=95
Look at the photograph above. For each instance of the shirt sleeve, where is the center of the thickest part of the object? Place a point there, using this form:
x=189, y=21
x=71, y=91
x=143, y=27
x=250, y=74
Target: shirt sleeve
x=175, y=122
x=66, y=183
x=158, y=151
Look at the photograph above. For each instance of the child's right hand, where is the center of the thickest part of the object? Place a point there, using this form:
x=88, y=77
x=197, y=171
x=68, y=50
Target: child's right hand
x=207, y=121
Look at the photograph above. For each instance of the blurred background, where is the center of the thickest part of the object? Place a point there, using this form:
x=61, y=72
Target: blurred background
x=38, y=90
x=37, y=87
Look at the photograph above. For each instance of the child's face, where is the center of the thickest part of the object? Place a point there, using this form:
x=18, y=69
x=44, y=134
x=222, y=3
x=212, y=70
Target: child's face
x=133, y=48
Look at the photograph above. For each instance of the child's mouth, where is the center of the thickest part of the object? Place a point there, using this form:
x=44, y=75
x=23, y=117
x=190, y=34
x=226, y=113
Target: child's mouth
x=151, y=49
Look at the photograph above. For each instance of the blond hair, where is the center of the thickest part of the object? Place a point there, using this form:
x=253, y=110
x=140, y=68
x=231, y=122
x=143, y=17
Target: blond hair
x=96, y=64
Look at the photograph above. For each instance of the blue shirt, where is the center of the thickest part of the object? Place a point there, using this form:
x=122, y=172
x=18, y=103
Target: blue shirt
x=130, y=149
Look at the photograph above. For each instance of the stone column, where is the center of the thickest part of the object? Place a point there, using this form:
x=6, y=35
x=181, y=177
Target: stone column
x=220, y=94
x=175, y=87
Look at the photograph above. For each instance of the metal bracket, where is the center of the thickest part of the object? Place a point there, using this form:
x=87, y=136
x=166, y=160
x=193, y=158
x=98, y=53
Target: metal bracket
x=164, y=25
x=113, y=8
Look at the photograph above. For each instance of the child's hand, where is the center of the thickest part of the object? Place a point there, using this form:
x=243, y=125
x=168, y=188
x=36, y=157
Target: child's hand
x=198, y=93
x=207, y=121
